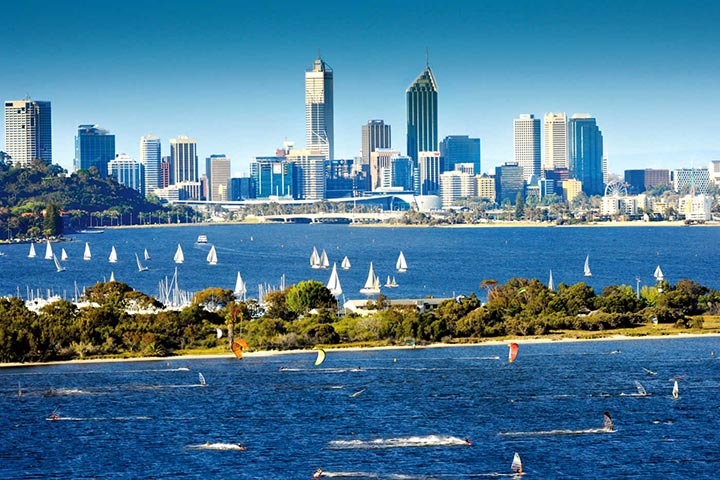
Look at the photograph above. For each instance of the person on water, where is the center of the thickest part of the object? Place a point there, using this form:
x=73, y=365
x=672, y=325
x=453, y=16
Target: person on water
x=467, y=441
x=318, y=473
x=241, y=447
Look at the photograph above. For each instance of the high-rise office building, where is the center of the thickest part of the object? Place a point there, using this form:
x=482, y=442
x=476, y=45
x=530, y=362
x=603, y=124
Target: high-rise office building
x=183, y=157
x=165, y=171
x=691, y=180
x=509, y=182
x=429, y=170
x=456, y=149
x=380, y=159
x=586, y=153
x=422, y=114
x=217, y=170
x=526, y=130
x=241, y=188
x=94, y=147
x=319, y=132
x=375, y=134
x=486, y=187
x=273, y=177
x=455, y=185
x=150, y=157
x=28, y=131
x=309, y=174
x=555, y=141
x=128, y=172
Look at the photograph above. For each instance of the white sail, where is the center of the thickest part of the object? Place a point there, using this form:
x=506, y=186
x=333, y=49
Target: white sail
x=146, y=255
x=31, y=253
x=112, y=276
x=240, y=288
x=201, y=377
x=63, y=255
x=640, y=389
x=551, y=284
x=324, y=262
x=87, y=255
x=113, y=255
x=372, y=284
x=393, y=283
x=401, y=264
x=57, y=264
x=334, y=283
x=345, y=263
x=588, y=273
x=516, y=465
x=658, y=274
x=141, y=268
x=48, y=251
x=212, y=258
x=179, y=257
x=315, y=259
x=388, y=282
x=676, y=391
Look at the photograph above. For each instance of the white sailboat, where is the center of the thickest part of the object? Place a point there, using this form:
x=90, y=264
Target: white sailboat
x=659, y=277
x=57, y=264
x=146, y=255
x=372, y=284
x=179, y=257
x=551, y=284
x=240, y=288
x=31, y=253
x=345, y=265
x=63, y=255
x=315, y=259
x=48, y=251
x=388, y=282
x=324, y=262
x=112, y=276
x=588, y=273
x=334, y=283
x=212, y=257
x=401, y=264
x=141, y=268
x=87, y=255
x=113, y=258
x=393, y=283
x=676, y=391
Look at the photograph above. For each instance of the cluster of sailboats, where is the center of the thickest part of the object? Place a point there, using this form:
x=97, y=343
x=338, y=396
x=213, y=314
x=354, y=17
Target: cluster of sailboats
x=372, y=285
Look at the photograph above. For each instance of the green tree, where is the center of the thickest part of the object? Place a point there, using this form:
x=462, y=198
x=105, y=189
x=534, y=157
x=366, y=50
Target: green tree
x=309, y=294
x=52, y=225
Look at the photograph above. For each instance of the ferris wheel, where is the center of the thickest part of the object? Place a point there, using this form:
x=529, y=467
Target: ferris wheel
x=616, y=189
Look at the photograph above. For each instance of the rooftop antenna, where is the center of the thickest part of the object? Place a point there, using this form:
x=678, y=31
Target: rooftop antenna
x=427, y=57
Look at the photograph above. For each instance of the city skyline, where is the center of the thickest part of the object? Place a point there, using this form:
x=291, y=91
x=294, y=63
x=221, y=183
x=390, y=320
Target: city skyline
x=500, y=61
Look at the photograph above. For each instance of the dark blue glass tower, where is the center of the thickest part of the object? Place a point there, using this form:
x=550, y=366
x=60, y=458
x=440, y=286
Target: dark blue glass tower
x=422, y=115
x=94, y=147
x=460, y=149
x=586, y=152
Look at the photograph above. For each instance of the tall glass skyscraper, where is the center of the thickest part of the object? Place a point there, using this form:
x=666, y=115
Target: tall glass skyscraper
x=273, y=177
x=554, y=141
x=127, y=172
x=586, y=153
x=183, y=157
x=28, y=131
x=375, y=134
x=456, y=149
x=319, y=132
x=94, y=147
x=526, y=130
x=150, y=157
x=422, y=115
x=217, y=170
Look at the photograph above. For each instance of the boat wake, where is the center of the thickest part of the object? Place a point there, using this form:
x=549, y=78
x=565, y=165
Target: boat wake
x=216, y=446
x=322, y=370
x=556, y=432
x=402, y=476
x=65, y=391
x=95, y=419
x=400, y=442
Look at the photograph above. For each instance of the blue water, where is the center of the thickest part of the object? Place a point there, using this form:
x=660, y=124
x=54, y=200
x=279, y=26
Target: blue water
x=151, y=420
x=442, y=261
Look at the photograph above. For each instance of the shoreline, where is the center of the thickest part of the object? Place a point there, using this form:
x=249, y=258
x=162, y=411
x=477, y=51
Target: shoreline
x=276, y=353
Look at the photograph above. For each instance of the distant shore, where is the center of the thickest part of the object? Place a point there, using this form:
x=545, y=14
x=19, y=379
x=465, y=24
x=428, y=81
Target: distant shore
x=340, y=348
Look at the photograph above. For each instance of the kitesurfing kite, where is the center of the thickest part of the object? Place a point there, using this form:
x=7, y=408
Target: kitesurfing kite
x=512, y=354
x=219, y=333
x=320, y=356
x=238, y=346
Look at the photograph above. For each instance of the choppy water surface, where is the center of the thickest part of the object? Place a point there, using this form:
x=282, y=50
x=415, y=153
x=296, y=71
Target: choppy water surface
x=372, y=414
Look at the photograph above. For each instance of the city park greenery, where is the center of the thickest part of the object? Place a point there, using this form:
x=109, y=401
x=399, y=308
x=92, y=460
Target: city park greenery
x=119, y=321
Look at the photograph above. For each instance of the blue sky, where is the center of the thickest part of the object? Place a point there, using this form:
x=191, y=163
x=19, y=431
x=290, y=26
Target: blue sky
x=231, y=74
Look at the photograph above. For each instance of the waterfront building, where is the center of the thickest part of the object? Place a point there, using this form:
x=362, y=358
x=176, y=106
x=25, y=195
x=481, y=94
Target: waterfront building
x=309, y=174
x=319, y=130
x=217, y=170
x=169, y=193
x=460, y=149
x=399, y=175
x=241, y=188
x=165, y=171
x=342, y=179
x=555, y=147
x=571, y=188
x=695, y=180
x=625, y=205
x=28, y=131
x=429, y=173
x=714, y=171
x=509, y=182
x=184, y=161
x=486, y=187
x=526, y=134
x=422, y=114
x=189, y=190
x=127, y=171
x=94, y=147
x=455, y=185
x=696, y=208
x=150, y=157
x=273, y=177
x=379, y=161
x=639, y=181
x=375, y=135
x=586, y=153
x=605, y=170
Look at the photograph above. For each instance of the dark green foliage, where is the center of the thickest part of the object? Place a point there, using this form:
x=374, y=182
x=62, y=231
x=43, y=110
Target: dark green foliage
x=307, y=295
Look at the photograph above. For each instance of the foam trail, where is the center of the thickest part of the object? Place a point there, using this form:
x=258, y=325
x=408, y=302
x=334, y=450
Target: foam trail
x=216, y=446
x=555, y=432
x=400, y=442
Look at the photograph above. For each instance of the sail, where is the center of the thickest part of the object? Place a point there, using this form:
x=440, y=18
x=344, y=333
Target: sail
x=372, y=284
x=31, y=253
x=512, y=353
x=401, y=264
x=640, y=389
x=676, y=391
x=551, y=284
x=87, y=255
x=146, y=255
x=140, y=266
x=588, y=273
x=212, y=258
x=393, y=283
x=219, y=333
x=315, y=259
x=63, y=255
x=320, y=356
x=201, y=377
x=57, y=264
x=345, y=263
x=334, y=283
x=608, y=423
x=113, y=255
x=240, y=288
x=179, y=257
x=48, y=250
x=516, y=465
x=112, y=276
x=238, y=346
x=324, y=262
x=658, y=274
x=388, y=282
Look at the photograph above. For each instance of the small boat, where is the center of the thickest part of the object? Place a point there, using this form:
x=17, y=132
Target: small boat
x=588, y=273
x=391, y=283
x=112, y=276
x=202, y=239
x=334, y=283
x=113, y=258
x=240, y=288
x=551, y=284
x=372, y=284
x=141, y=268
x=324, y=262
x=31, y=253
x=659, y=277
x=57, y=264
x=401, y=264
x=212, y=257
x=94, y=230
x=179, y=256
x=146, y=255
x=315, y=259
x=87, y=255
x=63, y=255
x=516, y=466
x=676, y=391
x=48, y=250
x=345, y=265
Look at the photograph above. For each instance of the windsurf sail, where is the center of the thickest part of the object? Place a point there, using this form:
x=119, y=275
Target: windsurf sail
x=238, y=346
x=512, y=354
x=608, y=423
x=320, y=356
x=202, y=379
x=516, y=465
x=648, y=371
x=640, y=389
x=676, y=391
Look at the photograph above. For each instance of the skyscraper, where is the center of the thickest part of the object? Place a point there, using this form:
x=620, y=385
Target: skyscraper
x=456, y=149
x=509, y=182
x=127, y=171
x=183, y=157
x=217, y=170
x=379, y=160
x=526, y=129
x=309, y=174
x=319, y=133
x=272, y=176
x=28, y=131
x=555, y=141
x=586, y=153
x=375, y=134
x=429, y=168
x=150, y=157
x=422, y=115
x=94, y=147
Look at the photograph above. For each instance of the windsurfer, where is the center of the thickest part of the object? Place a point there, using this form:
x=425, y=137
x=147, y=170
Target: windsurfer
x=467, y=441
x=318, y=473
x=241, y=447
x=54, y=416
